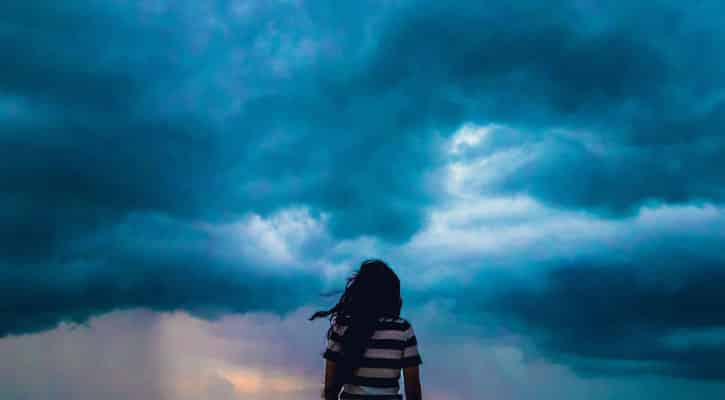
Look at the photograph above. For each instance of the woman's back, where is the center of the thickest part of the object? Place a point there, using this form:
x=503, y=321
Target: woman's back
x=393, y=346
x=368, y=343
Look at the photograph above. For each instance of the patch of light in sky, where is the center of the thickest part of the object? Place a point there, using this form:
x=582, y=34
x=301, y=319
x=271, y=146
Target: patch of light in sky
x=469, y=135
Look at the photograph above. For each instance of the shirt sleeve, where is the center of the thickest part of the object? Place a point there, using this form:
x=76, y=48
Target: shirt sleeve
x=411, y=356
x=334, y=343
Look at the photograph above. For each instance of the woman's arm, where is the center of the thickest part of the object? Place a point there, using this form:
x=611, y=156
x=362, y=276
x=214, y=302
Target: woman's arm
x=411, y=378
x=331, y=389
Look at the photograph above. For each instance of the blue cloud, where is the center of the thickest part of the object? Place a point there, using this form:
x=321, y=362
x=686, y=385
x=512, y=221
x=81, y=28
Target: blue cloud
x=202, y=112
x=151, y=262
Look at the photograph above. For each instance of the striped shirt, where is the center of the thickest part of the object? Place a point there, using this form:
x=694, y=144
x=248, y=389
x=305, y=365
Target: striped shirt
x=392, y=346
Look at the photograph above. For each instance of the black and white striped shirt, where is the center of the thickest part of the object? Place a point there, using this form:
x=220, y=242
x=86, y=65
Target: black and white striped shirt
x=393, y=346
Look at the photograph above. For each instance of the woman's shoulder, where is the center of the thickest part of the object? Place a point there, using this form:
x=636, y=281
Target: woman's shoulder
x=342, y=321
x=396, y=322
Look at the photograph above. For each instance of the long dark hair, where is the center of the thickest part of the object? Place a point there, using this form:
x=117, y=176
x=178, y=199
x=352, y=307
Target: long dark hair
x=371, y=293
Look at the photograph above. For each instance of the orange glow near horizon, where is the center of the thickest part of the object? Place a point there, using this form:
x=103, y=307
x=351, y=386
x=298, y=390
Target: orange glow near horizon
x=195, y=361
x=250, y=381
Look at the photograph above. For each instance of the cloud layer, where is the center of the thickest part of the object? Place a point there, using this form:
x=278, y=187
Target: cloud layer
x=550, y=170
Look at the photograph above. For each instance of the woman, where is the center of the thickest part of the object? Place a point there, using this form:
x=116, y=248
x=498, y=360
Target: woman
x=368, y=343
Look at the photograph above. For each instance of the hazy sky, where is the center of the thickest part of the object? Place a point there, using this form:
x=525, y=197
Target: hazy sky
x=180, y=181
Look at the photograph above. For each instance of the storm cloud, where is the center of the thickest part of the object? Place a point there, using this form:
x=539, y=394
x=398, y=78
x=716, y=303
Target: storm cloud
x=553, y=168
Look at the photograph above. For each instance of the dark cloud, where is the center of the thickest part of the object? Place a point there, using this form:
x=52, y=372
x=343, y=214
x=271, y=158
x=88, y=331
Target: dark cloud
x=150, y=262
x=124, y=119
x=133, y=106
x=114, y=110
x=635, y=87
x=604, y=319
x=611, y=299
x=80, y=148
x=202, y=111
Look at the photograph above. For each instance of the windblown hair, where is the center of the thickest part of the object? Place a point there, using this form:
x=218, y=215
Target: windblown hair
x=370, y=293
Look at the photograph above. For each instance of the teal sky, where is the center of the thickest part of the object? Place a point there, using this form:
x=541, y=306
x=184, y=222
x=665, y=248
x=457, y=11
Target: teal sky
x=182, y=180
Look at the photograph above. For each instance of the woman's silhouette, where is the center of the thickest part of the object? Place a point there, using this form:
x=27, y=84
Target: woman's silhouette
x=368, y=343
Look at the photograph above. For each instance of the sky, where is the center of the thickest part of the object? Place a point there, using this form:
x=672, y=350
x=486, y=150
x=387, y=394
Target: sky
x=182, y=183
